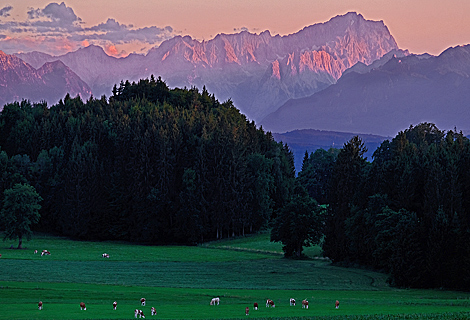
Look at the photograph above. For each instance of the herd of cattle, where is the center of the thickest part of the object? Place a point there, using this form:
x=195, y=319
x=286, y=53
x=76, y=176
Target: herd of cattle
x=214, y=301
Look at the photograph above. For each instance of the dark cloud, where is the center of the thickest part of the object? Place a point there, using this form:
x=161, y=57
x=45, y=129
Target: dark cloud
x=241, y=29
x=54, y=16
x=4, y=12
x=110, y=25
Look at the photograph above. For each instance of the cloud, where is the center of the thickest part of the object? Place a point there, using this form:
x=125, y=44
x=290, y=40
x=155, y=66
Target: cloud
x=58, y=23
x=4, y=12
x=109, y=25
x=241, y=29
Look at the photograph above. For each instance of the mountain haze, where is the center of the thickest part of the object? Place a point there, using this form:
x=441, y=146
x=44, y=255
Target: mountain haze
x=402, y=92
x=19, y=80
x=258, y=72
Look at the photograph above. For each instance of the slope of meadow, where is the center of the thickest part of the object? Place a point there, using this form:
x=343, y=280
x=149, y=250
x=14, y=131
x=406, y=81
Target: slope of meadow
x=180, y=281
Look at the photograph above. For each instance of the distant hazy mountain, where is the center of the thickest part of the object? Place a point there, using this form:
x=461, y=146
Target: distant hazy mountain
x=259, y=72
x=310, y=140
x=387, y=99
x=51, y=82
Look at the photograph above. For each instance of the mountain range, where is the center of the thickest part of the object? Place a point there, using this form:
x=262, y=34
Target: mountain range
x=19, y=80
x=399, y=92
x=258, y=72
x=344, y=75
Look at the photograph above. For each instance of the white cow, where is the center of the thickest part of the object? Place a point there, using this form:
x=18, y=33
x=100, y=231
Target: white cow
x=215, y=301
x=153, y=311
x=142, y=301
x=292, y=301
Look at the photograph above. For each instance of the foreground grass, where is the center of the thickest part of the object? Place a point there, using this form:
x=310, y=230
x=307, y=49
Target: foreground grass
x=180, y=281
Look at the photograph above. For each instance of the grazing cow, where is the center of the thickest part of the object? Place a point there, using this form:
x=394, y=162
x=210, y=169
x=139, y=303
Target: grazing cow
x=337, y=304
x=153, y=312
x=105, y=255
x=45, y=253
x=305, y=304
x=114, y=305
x=247, y=310
x=35, y=251
x=215, y=301
x=82, y=306
x=255, y=305
x=270, y=303
x=142, y=301
x=292, y=301
x=139, y=313
x=40, y=305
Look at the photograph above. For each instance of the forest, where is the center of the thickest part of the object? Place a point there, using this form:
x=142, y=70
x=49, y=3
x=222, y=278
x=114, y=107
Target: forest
x=149, y=164
x=155, y=165
x=406, y=213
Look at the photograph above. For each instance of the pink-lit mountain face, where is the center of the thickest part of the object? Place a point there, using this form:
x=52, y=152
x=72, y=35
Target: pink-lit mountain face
x=258, y=72
x=50, y=83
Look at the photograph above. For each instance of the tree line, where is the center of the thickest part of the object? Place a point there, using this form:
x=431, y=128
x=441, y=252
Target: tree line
x=150, y=164
x=407, y=212
x=158, y=165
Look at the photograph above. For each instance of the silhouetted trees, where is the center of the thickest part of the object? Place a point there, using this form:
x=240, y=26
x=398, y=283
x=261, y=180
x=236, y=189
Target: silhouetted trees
x=152, y=164
x=407, y=212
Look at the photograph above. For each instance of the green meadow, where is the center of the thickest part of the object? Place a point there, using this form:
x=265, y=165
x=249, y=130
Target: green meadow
x=180, y=282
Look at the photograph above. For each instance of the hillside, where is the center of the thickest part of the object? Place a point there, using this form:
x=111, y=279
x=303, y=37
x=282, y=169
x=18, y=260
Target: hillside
x=387, y=99
x=50, y=83
x=310, y=140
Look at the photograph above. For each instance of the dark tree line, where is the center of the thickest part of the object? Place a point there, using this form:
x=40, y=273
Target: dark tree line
x=150, y=164
x=407, y=212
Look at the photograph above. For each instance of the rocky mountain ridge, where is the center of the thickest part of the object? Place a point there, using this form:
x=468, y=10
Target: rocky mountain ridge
x=50, y=82
x=403, y=91
x=258, y=72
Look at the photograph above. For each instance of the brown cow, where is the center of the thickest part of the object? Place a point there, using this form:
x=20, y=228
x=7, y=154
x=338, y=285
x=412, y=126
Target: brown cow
x=337, y=304
x=153, y=311
x=142, y=301
x=255, y=305
x=270, y=303
x=247, y=310
x=114, y=305
x=40, y=305
x=305, y=304
x=82, y=306
x=292, y=302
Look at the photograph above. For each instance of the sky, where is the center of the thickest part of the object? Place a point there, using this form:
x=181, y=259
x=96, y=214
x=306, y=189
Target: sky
x=125, y=26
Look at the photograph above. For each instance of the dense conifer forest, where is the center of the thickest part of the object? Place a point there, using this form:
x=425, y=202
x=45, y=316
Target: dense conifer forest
x=149, y=164
x=407, y=212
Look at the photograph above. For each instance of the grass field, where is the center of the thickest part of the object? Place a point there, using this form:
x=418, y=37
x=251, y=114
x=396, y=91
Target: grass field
x=180, y=282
